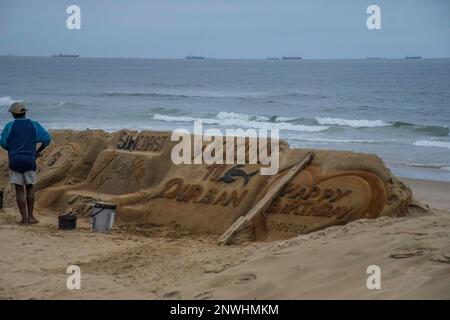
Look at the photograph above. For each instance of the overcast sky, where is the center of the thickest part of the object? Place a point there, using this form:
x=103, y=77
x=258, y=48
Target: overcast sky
x=226, y=28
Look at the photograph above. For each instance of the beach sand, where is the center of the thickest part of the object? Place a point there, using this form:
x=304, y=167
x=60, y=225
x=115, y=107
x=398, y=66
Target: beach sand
x=434, y=193
x=162, y=262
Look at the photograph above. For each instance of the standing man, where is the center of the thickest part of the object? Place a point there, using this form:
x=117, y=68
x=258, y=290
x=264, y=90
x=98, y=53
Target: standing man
x=20, y=137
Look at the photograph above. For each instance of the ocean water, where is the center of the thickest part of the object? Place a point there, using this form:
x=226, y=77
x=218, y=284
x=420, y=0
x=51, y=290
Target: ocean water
x=398, y=109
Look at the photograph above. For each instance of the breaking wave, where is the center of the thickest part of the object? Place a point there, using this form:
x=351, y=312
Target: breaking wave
x=352, y=123
x=432, y=143
x=293, y=123
x=242, y=120
x=428, y=130
x=343, y=141
x=7, y=101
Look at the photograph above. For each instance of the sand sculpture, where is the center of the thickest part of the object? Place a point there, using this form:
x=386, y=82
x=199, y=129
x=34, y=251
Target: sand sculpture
x=134, y=170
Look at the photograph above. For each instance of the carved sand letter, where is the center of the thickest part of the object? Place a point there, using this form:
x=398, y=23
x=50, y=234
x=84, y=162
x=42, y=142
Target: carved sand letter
x=122, y=140
x=340, y=194
x=139, y=170
x=274, y=206
x=235, y=198
x=104, y=164
x=209, y=196
x=303, y=192
x=172, y=188
x=292, y=206
x=130, y=143
x=221, y=199
x=289, y=190
x=214, y=171
x=156, y=144
x=191, y=192
x=315, y=192
x=141, y=142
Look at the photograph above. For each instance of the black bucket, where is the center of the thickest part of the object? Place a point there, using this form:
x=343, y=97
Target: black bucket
x=1, y=199
x=67, y=222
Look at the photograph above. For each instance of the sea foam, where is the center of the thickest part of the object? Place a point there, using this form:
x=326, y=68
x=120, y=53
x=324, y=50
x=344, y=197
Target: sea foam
x=343, y=141
x=242, y=120
x=432, y=143
x=7, y=101
x=352, y=123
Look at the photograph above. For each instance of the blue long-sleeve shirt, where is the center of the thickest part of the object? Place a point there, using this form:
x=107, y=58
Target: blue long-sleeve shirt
x=42, y=135
x=20, y=137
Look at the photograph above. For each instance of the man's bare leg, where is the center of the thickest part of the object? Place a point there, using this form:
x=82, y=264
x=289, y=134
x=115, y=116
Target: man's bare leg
x=21, y=203
x=30, y=204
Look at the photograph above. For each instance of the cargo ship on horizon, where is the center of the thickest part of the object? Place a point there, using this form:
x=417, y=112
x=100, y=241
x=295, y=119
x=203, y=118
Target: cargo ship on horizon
x=292, y=58
x=65, y=55
x=195, y=57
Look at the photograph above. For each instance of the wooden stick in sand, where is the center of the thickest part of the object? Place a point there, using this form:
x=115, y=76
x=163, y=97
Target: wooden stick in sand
x=271, y=194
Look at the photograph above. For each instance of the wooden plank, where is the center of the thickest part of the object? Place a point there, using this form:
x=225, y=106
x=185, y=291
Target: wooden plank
x=271, y=194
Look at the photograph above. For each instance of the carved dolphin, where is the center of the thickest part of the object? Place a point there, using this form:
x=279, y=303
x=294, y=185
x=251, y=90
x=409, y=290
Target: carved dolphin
x=236, y=171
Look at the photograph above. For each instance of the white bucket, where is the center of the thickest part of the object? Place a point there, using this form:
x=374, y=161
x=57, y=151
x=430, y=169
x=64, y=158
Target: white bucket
x=102, y=217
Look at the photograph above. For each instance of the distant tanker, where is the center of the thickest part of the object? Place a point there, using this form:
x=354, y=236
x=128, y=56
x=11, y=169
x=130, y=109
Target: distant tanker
x=292, y=58
x=65, y=55
x=195, y=57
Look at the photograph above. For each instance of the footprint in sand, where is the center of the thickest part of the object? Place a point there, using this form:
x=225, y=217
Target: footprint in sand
x=280, y=253
x=407, y=254
x=172, y=294
x=204, y=295
x=245, y=278
x=444, y=258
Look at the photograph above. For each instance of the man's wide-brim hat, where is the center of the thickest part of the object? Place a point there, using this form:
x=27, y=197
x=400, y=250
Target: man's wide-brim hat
x=17, y=108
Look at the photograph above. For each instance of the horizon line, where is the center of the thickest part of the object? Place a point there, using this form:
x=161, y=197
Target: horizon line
x=272, y=58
